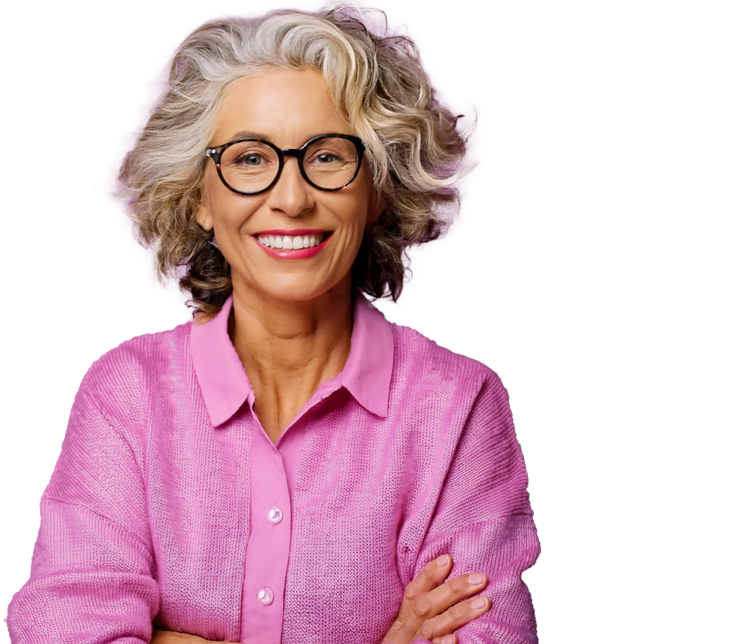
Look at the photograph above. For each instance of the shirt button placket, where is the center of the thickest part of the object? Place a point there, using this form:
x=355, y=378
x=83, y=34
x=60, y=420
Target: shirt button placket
x=266, y=595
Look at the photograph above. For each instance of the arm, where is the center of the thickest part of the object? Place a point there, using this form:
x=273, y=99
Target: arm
x=484, y=520
x=173, y=637
x=92, y=572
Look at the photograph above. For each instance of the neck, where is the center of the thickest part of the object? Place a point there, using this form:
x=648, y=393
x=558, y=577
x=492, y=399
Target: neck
x=288, y=348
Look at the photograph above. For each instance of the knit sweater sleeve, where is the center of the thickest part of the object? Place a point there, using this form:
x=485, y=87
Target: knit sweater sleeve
x=484, y=521
x=92, y=570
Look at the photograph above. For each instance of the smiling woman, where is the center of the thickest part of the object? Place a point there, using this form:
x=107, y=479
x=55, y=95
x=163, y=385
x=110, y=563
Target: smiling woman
x=288, y=466
x=230, y=80
x=279, y=190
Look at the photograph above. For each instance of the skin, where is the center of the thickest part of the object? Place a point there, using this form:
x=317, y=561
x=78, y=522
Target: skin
x=293, y=318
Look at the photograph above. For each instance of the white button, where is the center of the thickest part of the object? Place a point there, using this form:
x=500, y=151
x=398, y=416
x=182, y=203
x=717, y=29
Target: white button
x=265, y=596
x=275, y=515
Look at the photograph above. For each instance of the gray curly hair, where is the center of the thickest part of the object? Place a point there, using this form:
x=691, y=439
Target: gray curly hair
x=376, y=80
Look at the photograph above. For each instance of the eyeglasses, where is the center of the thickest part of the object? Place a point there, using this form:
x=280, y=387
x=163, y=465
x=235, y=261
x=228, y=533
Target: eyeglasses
x=251, y=166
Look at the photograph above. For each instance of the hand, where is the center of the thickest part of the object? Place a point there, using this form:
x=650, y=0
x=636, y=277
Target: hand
x=434, y=613
x=171, y=637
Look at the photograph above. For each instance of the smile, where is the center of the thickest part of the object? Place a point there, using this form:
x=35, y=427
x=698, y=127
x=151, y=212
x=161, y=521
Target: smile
x=293, y=246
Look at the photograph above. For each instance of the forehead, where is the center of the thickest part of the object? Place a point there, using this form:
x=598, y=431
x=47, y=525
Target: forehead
x=286, y=107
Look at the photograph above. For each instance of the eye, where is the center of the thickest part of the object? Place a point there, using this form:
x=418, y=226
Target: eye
x=243, y=159
x=324, y=157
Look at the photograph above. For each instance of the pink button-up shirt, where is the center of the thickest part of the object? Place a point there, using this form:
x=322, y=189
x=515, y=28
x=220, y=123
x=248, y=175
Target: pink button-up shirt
x=170, y=507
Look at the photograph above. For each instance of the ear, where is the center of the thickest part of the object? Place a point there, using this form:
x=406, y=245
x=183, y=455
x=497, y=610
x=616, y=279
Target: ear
x=203, y=212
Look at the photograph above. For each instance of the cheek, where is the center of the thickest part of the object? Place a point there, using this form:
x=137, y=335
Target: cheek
x=361, y=205
x=231, y=209
x=356, y=218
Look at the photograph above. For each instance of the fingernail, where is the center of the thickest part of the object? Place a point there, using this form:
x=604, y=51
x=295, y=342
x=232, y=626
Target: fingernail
x=443, y=561
x=478, y=602
x=476, y=578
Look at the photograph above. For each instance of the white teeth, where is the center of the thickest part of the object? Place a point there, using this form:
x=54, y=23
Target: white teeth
x=290, y=242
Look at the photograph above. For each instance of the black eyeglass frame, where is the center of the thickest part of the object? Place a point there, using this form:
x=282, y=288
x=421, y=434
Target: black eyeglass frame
x=299, y=153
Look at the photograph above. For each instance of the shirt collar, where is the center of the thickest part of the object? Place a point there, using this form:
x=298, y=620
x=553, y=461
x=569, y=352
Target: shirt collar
x=225, y=385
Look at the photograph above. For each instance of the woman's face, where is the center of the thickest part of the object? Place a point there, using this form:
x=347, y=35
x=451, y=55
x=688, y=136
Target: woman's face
x=285, y=107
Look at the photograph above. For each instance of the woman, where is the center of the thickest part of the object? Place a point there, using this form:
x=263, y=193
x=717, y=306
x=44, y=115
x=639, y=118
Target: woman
x=288, y=466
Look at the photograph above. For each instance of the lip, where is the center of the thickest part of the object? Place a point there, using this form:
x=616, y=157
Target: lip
x=293, y=231
x=302, y=253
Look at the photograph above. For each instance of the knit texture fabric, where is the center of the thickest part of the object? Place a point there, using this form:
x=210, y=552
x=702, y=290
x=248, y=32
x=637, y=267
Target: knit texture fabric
x=169, y=506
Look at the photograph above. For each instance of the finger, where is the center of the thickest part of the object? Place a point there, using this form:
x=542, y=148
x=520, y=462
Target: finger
x=447, y=639
x=447, y=601
x=427, y=580
x=414, y=610
x=454, y=617
x=455, y=590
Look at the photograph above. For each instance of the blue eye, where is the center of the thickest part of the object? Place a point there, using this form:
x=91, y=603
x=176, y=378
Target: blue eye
x=248, y=156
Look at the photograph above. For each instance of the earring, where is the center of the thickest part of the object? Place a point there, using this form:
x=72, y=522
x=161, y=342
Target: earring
x=212, y=241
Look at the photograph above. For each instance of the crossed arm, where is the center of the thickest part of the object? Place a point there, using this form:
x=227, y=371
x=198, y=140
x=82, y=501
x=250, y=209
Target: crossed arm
x=171, y=637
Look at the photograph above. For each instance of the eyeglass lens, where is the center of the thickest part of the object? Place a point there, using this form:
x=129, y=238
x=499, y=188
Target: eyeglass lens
x=251, y=166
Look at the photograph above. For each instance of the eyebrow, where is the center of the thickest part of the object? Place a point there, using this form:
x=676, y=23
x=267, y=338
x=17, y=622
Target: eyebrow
x=247, y=134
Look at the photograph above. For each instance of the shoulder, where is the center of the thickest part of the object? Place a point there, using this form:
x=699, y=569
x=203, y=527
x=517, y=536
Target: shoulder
x=120, y=377
x=436, y=366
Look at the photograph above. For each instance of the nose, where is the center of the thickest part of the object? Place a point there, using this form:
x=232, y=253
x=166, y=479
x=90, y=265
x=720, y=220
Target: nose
x=291, y=194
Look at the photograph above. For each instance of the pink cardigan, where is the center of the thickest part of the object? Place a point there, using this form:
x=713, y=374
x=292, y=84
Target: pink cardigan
x=170, y=507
